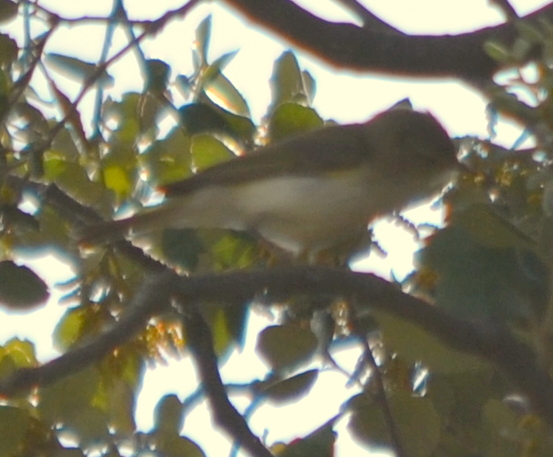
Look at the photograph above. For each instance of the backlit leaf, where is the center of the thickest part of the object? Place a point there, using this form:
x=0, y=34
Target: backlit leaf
x=207, y=151
x=290, y=119
x=75, y=68
x=286, y=80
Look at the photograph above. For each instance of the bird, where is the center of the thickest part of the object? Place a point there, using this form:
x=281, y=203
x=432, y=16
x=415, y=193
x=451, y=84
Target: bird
x=309, y=192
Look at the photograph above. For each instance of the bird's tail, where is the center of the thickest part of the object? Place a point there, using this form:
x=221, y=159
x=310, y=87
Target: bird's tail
x=109, y=231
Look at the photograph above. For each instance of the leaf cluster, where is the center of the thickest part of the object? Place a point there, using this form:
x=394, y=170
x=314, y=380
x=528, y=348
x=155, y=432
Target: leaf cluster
x=62, y=168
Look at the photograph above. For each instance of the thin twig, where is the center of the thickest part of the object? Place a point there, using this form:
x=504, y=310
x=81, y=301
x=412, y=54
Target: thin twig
x=152, y=28
x=110, y=29
x=380, y=394
x=506, y=7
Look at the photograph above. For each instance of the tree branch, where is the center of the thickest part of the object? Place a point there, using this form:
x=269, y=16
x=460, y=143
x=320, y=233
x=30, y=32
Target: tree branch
x=200, y=342
x=493, y=344
x=149, y=300
x=370, y=49
x=496, y=345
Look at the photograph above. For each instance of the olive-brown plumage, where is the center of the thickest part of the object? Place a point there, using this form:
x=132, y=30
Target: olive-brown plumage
x=309, y=192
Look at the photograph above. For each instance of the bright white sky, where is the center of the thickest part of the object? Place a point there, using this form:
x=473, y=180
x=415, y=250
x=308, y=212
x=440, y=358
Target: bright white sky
x=341, y=95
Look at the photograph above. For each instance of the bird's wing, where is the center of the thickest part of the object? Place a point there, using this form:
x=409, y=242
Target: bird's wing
x=299, y=156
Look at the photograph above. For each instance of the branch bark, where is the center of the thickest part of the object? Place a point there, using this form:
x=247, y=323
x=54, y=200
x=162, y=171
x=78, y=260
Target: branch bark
x=225, y=414
x=493, y=344
x=373, y=49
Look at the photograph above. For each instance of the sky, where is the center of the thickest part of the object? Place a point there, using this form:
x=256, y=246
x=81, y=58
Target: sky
x=341, y=95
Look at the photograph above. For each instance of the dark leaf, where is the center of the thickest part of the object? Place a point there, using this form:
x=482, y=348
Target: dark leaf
x=8, y=10
x=13, y=430
x=286, y=346
x=20, y=288
x=293, y=388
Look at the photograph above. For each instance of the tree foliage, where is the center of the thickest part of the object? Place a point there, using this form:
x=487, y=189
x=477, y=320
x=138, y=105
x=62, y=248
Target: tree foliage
x=454, y=360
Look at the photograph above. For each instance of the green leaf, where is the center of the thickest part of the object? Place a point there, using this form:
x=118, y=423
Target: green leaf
x=208, y=117
x=473, y=281
x=22, y=352
x=200, y=117
x=167, y=160
x=150, y=109
x=120, y=170
x=417, y=422
x=529, y=32
x=13, y=431
x=286, y=81
x=125, y=113
x=20, y=288
x=182, y=247
x=416, y=345
x=521, y=48
x=290, y=119
x=221, y=91
x=90, y=424
x=177, y=446
x=460, y=399
x=121, y=407
x=65, y=399
x=17, y=219
x=35, y=126
x=236, y=317
x=70, y=327
x=230, y=250
x=117, y=179
x=286, y=346
x=491, y=230
x=310, y=85
x=222, y=336
x=207, y=151
x=293, y=388
x=72, y=178
x=217, y=67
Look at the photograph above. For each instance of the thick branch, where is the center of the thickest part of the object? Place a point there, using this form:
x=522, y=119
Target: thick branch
x=496, y=345
x=370, y=49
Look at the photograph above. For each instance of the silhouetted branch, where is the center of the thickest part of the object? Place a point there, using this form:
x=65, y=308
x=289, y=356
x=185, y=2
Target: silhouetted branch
x=149, y=300
x=494, y=344
x=200, y=342
x=369, y=49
